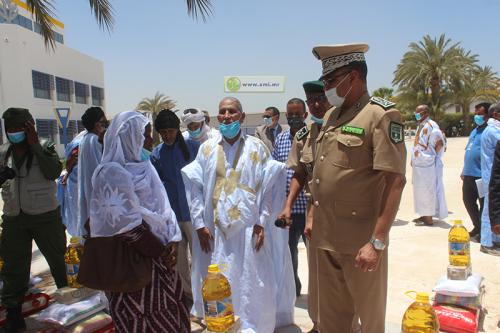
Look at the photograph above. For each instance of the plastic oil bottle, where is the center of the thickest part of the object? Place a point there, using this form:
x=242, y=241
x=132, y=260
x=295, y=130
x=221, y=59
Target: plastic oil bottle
x=420, y=316
x=72, y=259
x=459, y=245
x=218, y=306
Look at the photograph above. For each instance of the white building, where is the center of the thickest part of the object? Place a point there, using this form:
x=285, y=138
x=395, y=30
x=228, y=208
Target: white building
x=41, y=79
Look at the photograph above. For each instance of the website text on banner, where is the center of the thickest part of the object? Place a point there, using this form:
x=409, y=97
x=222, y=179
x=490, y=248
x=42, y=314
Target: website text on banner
x=254, y=84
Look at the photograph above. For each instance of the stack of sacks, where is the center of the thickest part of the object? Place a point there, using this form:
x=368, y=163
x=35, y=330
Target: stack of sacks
x=77, y=312
x=458, y=304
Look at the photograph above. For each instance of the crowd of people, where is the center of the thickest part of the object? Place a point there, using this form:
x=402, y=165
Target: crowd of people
x=207, y=196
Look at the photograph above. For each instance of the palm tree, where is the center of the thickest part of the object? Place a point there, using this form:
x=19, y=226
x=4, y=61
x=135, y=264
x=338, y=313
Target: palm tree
x=430, y=66
x=153, y=106
x=103, y=12
x=480, y=83
x=385, y=93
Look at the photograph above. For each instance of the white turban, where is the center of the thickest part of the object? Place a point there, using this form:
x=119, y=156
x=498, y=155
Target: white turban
x=192, y=116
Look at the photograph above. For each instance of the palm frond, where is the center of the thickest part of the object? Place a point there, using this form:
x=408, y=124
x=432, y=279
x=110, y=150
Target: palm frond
x=103, y=12
x=43, y=10
x=199, y=8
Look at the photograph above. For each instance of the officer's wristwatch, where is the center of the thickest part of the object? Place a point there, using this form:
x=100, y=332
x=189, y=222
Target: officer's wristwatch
x=377, y=244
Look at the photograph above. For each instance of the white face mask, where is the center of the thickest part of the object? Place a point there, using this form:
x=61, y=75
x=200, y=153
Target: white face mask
x=333, y=98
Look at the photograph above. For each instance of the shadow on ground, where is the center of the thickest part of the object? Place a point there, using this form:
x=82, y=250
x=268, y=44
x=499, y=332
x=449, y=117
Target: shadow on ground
x=399, y=223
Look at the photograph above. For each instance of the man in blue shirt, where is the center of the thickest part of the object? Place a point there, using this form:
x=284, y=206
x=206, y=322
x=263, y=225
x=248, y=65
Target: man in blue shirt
x=169, y=158
x=296, y=115
x=489, y=242
x=472, y=171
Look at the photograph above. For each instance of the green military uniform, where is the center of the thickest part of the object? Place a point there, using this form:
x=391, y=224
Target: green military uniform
x=30, y=212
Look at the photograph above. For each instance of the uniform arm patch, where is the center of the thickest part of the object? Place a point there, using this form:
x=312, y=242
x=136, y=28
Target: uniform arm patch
x=396, y=132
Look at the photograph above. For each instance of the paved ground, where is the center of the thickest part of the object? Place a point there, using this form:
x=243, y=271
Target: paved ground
x=417, y=255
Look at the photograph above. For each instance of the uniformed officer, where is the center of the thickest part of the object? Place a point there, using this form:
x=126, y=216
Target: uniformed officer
x=301, y=160
x=358, y=179
x=30, y=211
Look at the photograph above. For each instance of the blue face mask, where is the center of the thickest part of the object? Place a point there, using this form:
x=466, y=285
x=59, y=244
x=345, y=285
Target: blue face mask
x=230, y=131
x=418, y=116
x=479, y=120
x=16, y=137
x=145, y=154
x=195, y=134
x=317, y=120
x=268, y=121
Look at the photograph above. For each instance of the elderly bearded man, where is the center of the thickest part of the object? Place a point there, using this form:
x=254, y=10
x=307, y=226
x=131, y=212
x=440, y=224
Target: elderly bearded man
x=236, y=190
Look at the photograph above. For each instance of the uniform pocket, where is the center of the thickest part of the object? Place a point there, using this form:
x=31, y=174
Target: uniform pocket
x=348, y=152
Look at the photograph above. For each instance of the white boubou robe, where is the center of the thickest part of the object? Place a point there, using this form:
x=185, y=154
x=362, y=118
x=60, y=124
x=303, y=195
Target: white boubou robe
x=230, y=188
x=428, y=188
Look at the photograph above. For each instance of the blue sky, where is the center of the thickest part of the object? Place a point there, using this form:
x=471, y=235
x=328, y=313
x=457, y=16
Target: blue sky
x=155, y=46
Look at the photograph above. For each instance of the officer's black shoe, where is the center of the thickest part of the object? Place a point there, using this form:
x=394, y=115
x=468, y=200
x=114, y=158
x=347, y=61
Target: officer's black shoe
x=15, y=321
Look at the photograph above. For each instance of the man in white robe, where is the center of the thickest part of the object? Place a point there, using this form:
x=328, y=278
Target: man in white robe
x=89, y=156
x=428, y=188
x=235, y=191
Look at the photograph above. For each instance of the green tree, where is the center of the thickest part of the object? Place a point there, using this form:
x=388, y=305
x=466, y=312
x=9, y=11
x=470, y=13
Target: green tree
x=428, y=68
x=153, y=106
x=479, y=84
x=103, y=12
x=385, y=93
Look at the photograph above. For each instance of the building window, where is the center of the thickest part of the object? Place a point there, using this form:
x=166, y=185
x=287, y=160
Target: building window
x=71, y=131
x=81, y=93
x=41, y=84
x=97, y=96
x=47, y=129
x=63, y=90
x=23, y=22
x=80, y=126
x=57, y=36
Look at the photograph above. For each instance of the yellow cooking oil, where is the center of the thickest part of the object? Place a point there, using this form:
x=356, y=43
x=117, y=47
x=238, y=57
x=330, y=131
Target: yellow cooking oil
x=72, y=259
x=1, y=264
x=420, y=316
x=459, y=245
x=216, y=291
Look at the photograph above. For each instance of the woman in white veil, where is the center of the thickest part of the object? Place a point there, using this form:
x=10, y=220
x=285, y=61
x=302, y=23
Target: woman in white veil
x=129, y=201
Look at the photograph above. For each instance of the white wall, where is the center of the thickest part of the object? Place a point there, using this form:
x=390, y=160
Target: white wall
x=22, y=51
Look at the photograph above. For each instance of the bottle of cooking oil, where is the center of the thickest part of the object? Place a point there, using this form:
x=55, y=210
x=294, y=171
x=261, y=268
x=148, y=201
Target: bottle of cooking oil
x=459, y=245
x=216, y=292
x=420, y=316
x=1, y=264
x=72, y=258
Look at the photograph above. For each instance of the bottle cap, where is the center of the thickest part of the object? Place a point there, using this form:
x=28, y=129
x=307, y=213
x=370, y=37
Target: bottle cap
x=457, y=222
x=422, y=297
x=213, y=268
x=74, y=240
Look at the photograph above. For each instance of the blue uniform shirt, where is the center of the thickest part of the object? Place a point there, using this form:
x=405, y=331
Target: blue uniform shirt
x=472, y=160
x=168, y=162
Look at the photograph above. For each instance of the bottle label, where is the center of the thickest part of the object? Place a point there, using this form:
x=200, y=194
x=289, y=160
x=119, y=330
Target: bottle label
x=72, y=269
x=459, y=248
x=219, y=309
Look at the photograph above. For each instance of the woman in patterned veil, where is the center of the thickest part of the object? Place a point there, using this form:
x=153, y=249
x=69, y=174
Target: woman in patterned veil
x=130, y=202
